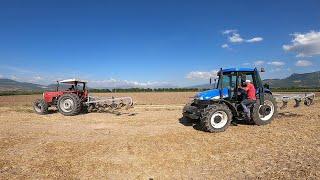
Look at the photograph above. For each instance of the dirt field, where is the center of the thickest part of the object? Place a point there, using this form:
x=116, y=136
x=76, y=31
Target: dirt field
x=149, y=141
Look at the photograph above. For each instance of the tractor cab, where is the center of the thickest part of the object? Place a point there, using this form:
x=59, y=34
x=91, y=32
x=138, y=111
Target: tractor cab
x=229, y=81
x=74, y=85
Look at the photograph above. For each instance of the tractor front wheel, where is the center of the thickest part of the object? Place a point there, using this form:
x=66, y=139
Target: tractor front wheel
x=40, y=106
x=216, y=118
x=69, y=105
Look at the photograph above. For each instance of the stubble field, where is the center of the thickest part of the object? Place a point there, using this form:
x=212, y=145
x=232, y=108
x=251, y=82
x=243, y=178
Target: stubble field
x=150, y=141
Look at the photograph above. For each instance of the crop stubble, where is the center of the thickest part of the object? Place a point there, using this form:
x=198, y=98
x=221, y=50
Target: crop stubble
x=150, y=142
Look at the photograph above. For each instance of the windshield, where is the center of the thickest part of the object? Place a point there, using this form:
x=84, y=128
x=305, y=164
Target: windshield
x=227, y=81
x=230, y=80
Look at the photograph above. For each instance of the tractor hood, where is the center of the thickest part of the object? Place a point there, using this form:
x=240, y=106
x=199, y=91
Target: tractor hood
x=212, y=94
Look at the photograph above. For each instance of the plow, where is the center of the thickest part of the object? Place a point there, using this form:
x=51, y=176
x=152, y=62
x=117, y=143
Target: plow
x=109, y=104
x=307, y=99
x=75, y=99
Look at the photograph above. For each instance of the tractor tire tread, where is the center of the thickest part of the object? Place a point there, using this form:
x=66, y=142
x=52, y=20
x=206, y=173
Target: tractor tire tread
x=44, y=106
x=205, y=124
x=255, y=113
x=77, y=101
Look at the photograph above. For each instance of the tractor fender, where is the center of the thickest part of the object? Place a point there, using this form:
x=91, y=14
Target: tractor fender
x=49, y=97
x=230, y=105
x=267, y=91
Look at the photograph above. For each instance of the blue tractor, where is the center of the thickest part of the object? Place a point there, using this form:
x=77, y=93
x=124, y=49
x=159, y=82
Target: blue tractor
x=214, y=109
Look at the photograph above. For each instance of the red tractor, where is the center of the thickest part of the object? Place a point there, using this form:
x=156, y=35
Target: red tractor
x=75, y=98
x=69, y=101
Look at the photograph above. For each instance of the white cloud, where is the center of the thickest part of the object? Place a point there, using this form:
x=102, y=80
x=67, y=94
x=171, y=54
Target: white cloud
x=262, y=62
x=258, y=63
x=201, y=74
x=225, y=46
x=125, y=83
x=304, y=45
x=13, y=77
x=1, y=76
x=228, y=31
x=276, y=63
x=255, y=39
x=35, y=79
x=235, y=38
x=303, y=63
x=276, y=69
x=38, y=78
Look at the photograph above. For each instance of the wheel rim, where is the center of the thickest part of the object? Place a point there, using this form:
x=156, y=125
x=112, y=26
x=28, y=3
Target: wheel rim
x=271, y=106
x=66, y=105
x=219, y=119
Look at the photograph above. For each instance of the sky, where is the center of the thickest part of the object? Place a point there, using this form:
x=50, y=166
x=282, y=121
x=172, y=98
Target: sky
x=154, y=43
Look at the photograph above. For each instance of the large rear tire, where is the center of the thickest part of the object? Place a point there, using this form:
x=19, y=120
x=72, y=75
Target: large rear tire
x=40, y=106
x=69, y=104
x=264, y=113
x=216, y=118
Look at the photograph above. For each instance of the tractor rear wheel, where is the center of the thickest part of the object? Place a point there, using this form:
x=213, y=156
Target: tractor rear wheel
x=40, y=106
x=69, y=104
x=264, y=113
x=216, y=118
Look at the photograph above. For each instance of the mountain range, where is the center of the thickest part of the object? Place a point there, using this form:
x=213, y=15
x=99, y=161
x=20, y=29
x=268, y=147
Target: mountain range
x=305, y=80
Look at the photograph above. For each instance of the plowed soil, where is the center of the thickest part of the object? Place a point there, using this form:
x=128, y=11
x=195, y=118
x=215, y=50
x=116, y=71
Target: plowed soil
x=152, y=141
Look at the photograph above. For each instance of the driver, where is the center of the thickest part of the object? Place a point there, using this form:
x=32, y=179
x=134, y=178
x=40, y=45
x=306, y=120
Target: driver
x=251, y=97
x=71, y=88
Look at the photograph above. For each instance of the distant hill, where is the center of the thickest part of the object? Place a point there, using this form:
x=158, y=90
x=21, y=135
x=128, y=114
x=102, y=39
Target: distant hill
x=11, y=85
x=305, y=80
x=308, y=80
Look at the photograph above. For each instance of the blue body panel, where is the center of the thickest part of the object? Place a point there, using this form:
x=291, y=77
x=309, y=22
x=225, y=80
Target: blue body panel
x=213, y=94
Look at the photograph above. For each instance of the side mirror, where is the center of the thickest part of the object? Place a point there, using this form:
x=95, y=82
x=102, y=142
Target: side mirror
x=266, y=85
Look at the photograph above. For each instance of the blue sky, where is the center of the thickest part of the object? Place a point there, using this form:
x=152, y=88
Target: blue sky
x=155, y=42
